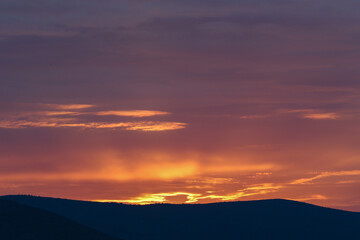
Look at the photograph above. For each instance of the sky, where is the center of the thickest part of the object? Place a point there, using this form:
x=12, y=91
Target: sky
x=175, y=101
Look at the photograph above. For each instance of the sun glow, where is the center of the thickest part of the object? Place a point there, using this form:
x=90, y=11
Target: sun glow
x=197, y=197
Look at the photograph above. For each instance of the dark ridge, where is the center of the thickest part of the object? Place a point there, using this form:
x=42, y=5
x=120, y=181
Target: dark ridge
x=263, y=219
x=19, y=222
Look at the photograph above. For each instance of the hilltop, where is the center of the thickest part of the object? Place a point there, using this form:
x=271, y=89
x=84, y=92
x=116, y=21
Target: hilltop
x=262, y=219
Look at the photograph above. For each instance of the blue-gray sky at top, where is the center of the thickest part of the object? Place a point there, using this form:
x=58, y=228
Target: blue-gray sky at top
x=268, y=88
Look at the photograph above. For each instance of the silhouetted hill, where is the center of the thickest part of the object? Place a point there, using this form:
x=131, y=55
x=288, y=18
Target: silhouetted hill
x=264, y=219
x=18, y=222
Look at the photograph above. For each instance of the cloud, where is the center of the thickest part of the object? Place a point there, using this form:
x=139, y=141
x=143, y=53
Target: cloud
x=132, y=113
x=312, y=197
x=156, y=198
x=145, y=126
x=326, y=174
x=257, y=189
x=67, y=106
x=312, y=114
x=321, y=116
x=56, y=113
x=155, y=126
x=58, y=118
x=254, y=116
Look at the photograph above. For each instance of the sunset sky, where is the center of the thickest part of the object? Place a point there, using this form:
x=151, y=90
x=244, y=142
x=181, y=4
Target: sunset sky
x=144, y=101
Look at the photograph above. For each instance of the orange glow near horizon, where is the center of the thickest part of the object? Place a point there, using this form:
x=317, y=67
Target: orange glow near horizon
x=158, y=175
x=161, y=173
x=196, y=197
x=195, y=181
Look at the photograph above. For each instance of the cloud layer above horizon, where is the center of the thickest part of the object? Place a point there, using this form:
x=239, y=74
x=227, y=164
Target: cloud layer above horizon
x=181, y=101
x=55, y=117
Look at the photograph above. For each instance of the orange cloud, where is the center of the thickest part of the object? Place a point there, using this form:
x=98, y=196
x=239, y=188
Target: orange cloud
x=55, y=119
x=132, y=113
x=326, y=174
x=30, y=123
x=134, y=126
x=68, y=106
x=155, y=198
x=321, y=116
x=196, y=197
x=313, y=114
x=155, y=126
x=312, y=197
x=57, y=113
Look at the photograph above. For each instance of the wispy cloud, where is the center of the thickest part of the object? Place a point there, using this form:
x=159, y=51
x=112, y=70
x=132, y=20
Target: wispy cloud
x=326, y=174
x=254, y=116
x=58, y=113
x=312, y=197
x=146, y=126
x=321, y=116
x=155, y=126
x=67, y=106
x=313, y=114
x=132, y=113
x=66, y=116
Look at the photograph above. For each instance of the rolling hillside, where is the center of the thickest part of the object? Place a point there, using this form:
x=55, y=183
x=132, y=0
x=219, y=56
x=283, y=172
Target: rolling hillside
x=19, y=222
x=264, y=219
